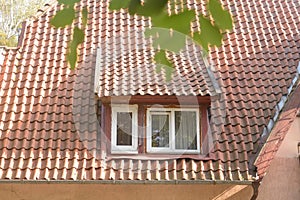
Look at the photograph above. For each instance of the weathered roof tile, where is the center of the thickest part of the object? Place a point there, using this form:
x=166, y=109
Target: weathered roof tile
x=40, y=97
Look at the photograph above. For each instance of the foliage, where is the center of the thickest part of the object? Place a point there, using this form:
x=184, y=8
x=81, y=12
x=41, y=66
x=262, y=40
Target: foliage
x=4, y=41
x=12, y=14
x=212, y=25
x=65, y=17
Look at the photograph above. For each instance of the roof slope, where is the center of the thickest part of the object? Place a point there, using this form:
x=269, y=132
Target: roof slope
x=273, y=142
x=125, y=65
x=40, y=122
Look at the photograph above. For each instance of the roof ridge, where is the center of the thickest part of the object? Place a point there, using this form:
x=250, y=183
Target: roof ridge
x=47, y=6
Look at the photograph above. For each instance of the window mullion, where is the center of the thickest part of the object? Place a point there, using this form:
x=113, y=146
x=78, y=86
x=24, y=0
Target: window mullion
x=134, y=130
x=172, y=130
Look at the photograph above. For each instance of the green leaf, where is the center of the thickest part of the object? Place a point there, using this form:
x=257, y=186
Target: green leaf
x=163, y=63
x=78, y=35
x=180, y=22
x=134, y=6
x=63, y=18
x=78, y=38
x=201, y=41
x=209, y=34
x=160, y=57
x=68, y=2
x=72, y=57
x=152, y=7
x=118, y=4
x=221, y=17
x=84, y=13
x=166, y=39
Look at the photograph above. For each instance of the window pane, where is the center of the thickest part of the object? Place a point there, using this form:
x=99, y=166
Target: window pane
x=160, y=130
x=124, y=128
x=186, y=130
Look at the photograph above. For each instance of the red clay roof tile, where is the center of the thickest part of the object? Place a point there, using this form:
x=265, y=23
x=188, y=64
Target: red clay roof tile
x=41, y=100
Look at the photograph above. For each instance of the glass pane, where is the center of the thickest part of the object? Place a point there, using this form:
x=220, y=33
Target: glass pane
x=186, y=130
x=124, y=128
x=160, y=130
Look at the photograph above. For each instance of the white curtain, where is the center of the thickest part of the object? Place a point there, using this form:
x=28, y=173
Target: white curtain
x=185, y=130
x=124, y=128
x=160, y=130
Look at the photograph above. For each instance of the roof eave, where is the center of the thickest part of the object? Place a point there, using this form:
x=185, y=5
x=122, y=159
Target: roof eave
x=171, y=182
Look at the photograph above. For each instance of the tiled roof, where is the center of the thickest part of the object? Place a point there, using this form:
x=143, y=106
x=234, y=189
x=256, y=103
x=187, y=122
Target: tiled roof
x=133, y=72
x=48, y=130
x=278, y=133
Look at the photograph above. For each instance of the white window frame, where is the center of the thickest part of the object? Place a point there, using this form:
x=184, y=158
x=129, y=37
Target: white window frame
x=171, y=149
x=123, y=149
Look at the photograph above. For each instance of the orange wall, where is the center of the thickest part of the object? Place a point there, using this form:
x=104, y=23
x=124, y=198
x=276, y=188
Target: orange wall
x=73, y=191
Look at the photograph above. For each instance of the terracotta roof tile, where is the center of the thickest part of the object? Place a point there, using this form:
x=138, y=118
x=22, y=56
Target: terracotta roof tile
x=271, y=145
x=43, y=104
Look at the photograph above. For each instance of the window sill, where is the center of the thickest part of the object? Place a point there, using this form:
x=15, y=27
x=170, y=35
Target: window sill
x=156, y=156
x=115, y=152
x=161, y=151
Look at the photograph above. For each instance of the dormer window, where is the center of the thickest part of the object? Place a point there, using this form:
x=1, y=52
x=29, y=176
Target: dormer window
x=157, y=126
x=173, y=130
